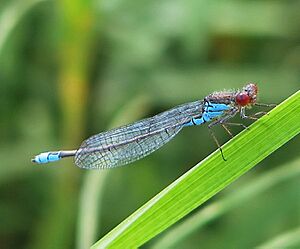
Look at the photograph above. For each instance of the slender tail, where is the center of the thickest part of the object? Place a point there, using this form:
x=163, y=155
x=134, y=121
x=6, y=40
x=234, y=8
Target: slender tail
x=52, y=156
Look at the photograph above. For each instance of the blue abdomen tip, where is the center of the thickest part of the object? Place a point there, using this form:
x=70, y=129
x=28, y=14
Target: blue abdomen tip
x=47, y=157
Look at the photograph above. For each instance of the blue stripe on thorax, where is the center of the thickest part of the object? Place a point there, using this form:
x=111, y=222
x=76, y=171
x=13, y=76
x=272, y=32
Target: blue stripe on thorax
x=211, y=111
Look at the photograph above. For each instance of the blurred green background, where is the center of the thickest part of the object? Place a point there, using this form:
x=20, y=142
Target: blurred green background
x=70, y=69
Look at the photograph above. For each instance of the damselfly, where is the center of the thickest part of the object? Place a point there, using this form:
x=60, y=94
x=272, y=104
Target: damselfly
x=131, y=142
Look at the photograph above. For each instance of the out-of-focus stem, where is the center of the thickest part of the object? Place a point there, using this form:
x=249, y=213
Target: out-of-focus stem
x=75, y=29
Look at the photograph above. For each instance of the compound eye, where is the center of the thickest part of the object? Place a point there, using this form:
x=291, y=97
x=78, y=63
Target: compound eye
x=242, y=99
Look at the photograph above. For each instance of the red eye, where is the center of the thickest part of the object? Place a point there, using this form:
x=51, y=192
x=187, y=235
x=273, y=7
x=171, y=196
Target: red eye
x=242, y=99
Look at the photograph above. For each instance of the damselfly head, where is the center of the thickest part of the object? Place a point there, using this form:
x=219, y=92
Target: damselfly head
x=247, y=96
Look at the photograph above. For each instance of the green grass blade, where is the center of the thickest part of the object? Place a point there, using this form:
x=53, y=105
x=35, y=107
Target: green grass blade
x=208, y=177
x=251, y=190
x=289, y=239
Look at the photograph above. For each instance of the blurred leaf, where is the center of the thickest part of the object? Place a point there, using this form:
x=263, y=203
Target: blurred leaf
x=11, y=16
x=264, y=18
x=290, y=239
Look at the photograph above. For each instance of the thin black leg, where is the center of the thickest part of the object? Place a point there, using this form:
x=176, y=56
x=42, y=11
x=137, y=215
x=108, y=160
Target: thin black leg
x=226, y=129
x=217, y=142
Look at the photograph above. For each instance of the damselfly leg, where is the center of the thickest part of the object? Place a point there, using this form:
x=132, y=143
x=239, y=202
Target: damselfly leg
x=217, y=142
x=224, y=123
x=256, y=115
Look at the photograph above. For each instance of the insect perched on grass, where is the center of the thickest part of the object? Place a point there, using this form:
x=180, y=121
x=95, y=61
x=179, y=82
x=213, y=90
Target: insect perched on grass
x=129, y=143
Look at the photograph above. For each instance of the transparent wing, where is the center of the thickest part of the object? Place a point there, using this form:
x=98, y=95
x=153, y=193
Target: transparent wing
x=131, y=142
